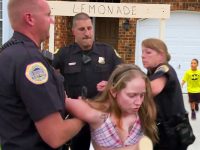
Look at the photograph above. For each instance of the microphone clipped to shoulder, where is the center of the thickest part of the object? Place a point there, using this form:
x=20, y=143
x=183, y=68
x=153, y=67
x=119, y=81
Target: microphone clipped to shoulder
x=48, y=55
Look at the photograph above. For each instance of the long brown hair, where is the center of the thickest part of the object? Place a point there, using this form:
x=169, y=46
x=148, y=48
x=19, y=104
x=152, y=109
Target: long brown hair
x=117, y=81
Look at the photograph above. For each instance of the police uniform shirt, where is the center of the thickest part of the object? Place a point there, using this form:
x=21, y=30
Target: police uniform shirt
x=170, y=100
x=29, y=91
x=85, y=70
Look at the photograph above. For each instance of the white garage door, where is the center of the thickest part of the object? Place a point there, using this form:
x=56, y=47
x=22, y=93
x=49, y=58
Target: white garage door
x=182, y=36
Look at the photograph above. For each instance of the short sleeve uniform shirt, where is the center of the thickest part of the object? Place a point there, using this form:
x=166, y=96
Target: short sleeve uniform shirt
x=85, y=70
x=29, y=91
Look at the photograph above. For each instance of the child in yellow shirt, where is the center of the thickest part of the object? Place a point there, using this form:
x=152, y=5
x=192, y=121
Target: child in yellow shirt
x=192, y=77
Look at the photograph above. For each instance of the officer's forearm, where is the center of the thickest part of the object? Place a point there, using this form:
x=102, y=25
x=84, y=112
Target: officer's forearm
x=69, y=129
x=72, y=127
x=55, y=131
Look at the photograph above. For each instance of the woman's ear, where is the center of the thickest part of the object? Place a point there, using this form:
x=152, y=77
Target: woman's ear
x=162, y=55
x=113, y=92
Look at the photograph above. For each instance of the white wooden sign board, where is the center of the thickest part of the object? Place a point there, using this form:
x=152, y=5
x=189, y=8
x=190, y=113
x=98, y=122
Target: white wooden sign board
x=117, y=10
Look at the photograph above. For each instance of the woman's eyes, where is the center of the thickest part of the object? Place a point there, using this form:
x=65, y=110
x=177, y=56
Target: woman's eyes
x=137, y=94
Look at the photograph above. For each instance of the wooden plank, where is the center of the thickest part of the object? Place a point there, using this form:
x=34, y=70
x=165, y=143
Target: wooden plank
x=51, y=36
x=162, y=29
x=117, y=10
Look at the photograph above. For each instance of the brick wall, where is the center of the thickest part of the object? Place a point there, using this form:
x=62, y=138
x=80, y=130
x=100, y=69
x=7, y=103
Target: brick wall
x=126, y=42
x=127, y=39
x=62, y=32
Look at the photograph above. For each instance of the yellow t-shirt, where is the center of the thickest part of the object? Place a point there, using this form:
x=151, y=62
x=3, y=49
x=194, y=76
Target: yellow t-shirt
x=193, y=80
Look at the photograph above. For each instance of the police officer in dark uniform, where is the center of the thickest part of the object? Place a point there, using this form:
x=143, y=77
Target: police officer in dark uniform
x=86, y=66
x=32, y=108
x=167, y=93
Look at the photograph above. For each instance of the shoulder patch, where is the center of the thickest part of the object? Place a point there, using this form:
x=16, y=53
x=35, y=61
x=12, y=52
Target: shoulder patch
x=162, y=68
x=116, y=53
x=36, y=73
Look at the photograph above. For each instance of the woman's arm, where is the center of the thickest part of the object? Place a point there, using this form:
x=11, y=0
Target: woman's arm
x=80, y=109
x=157, y=85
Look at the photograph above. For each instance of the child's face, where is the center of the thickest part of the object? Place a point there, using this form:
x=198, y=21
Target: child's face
x=131, y=97
x=194, y=65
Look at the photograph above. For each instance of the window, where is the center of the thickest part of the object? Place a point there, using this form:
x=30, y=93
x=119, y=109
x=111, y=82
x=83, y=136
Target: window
x=5, y=28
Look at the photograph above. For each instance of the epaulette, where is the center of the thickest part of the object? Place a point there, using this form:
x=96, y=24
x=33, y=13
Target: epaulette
x=117, y=54
x=9, y=43
x=56, y=51
x=162, y=69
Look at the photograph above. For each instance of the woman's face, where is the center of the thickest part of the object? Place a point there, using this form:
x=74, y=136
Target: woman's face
x=131, y=97
x=151, y=58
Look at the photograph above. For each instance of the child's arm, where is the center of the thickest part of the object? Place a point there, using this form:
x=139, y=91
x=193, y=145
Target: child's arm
x=83, y=111
x=182, y=83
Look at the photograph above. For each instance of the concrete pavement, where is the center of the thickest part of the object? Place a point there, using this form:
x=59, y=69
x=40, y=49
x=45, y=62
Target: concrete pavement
x=195, y=125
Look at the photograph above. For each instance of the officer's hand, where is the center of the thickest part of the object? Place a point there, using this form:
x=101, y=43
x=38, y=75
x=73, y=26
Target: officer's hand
x=101, y=86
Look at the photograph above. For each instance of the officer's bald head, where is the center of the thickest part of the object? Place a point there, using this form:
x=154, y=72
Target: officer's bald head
x=17, y=9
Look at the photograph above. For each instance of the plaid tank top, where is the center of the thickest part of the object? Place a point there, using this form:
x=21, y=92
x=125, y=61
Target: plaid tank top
x=106, y=135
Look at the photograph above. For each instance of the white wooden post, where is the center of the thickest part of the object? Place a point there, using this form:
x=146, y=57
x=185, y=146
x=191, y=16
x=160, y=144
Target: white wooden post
x=51, y=37
x=162, y=29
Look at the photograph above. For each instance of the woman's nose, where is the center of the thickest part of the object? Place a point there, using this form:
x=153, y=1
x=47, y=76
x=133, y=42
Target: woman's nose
x=138, y=100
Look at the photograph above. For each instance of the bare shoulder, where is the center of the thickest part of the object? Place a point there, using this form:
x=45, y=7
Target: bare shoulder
x=100, y=115
x=99, y=120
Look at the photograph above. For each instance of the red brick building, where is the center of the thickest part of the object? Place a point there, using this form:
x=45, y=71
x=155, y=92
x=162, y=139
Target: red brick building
x=111, y=30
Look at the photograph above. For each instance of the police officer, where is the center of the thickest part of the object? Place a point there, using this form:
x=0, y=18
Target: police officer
x=166, y=90
x=86, y=66
x=32, y=108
